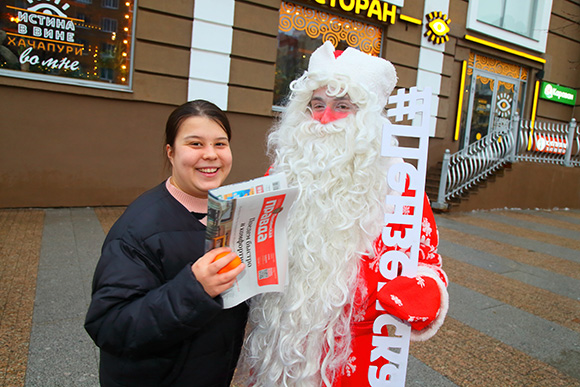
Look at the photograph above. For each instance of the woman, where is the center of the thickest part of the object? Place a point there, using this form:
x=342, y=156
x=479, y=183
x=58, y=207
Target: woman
x=156, y=313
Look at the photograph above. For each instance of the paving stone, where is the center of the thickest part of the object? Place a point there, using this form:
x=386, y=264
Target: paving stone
x=514, y=316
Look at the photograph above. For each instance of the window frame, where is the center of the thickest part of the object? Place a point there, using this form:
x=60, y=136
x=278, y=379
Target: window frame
x=107, y=24
x=107, y=4
x=540, y=37
x=89, y=84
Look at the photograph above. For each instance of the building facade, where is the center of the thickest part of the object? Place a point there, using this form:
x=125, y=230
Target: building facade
x=86, y=85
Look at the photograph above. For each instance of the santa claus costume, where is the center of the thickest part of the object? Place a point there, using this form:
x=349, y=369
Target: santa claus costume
x=319, y=331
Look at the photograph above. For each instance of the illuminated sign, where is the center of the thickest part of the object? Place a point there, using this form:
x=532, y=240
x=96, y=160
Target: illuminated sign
x=379, y=10
x=374, y=9
x=550, y=144
x=437, y=27
x=504, y=105
x=557, y=93
x=68, y=42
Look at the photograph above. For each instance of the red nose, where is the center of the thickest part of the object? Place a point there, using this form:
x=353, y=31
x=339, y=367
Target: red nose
x=329, y=115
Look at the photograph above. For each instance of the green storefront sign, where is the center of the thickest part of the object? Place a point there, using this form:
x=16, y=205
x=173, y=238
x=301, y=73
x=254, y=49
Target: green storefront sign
x=557, y=93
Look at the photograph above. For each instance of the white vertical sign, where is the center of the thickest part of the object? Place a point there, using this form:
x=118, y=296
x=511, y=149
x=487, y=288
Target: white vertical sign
x=414, y=106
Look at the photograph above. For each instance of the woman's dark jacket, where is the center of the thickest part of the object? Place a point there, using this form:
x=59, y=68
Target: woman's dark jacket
x=153, y=321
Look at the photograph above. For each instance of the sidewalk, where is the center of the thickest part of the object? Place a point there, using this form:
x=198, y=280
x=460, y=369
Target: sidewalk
x=514, y=318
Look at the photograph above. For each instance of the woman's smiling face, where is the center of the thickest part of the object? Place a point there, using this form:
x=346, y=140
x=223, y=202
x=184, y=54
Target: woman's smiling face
x=201, y=157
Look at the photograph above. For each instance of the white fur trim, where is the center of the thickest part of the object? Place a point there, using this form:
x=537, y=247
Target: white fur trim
x=430, y=330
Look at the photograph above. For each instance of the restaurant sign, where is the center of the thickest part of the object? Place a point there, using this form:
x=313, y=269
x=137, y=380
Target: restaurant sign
x=557, y=93
x=76, y=42
x=380, y=11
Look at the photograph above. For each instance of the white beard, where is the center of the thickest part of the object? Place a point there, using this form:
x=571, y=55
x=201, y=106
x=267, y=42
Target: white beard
x=302, y=337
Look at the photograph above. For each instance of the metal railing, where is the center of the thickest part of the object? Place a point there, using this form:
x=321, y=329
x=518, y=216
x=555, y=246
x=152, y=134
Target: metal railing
x=550, y=143
x=546, y=143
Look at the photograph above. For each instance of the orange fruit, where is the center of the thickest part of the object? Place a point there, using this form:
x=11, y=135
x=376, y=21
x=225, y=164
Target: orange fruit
x=232, y=265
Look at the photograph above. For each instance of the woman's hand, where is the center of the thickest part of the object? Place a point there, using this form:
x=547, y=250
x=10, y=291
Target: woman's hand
x=206, y=270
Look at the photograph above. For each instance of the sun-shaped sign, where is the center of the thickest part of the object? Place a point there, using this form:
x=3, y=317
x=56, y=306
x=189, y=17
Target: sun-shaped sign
x=437, y=27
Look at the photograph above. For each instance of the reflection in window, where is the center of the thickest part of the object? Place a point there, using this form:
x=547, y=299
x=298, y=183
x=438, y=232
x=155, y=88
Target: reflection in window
x=512, y=15
x=78, y=42
x=107, y=74
x=302, y=30
x=482, y=102
x=109, y=25
x=85, y=44
x=84, y=18
x=107, y=50
x=114, y=4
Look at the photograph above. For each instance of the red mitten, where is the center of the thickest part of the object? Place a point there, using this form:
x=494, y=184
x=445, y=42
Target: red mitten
x=415, y=300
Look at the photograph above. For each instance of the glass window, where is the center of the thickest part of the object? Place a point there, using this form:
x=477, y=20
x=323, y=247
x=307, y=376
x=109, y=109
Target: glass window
x=512, y=15
x=76, y=42
x=114, y=4
x=524, y=23
x=108, y=50
x=85, y=18
x=107, y=74
x=301, y=30
x=109, y=25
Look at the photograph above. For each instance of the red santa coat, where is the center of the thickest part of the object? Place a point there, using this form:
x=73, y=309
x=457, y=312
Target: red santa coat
x=422, y=301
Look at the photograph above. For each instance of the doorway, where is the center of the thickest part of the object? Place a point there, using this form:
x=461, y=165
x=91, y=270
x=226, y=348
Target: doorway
x=495, y=94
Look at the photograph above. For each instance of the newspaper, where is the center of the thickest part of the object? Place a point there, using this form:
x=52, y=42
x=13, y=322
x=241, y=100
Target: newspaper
x=250, y=218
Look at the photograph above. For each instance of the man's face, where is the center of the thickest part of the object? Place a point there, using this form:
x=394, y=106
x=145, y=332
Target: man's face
x=327, y=109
